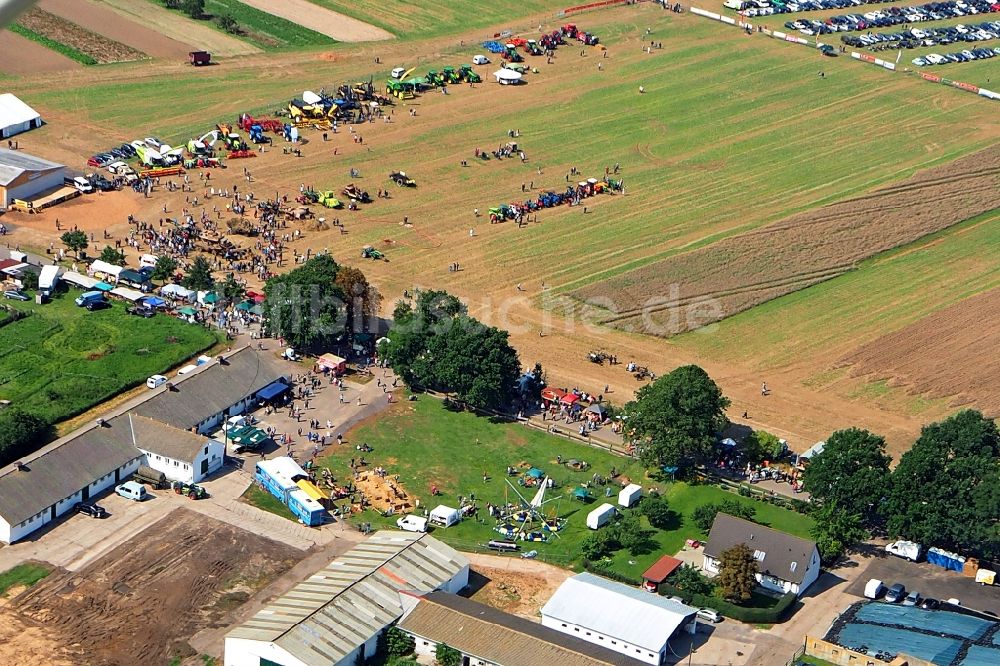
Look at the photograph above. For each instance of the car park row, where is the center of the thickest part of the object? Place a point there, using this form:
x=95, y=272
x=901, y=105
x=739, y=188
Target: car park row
x=751, y=8
x=883, y=18
x=918, y=37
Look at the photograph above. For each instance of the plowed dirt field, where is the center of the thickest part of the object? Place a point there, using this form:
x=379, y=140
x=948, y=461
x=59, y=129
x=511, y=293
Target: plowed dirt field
x=949, y=354
x=102, y=20
x=139, y=603
x=696, y=288
x=98, y=47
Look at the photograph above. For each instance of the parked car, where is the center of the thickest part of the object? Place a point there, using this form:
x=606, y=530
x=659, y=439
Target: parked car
x=930, y=604
x=895, y=593
x=97, y=305
x=80, y=183
x=908, y=550
x=92, y=510
x=708, y=615
x=912, y=599
x=16, y=294
x=397, y=72
x=141, y=311
x=156, y=381
x=874, y=588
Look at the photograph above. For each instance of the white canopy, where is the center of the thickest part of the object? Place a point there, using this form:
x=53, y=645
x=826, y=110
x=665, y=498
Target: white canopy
x=176, y=291
x=309, y=97
x=104, y=267
x=507, y=76
x=84, y=281
x=16, y=116
x=128, y=294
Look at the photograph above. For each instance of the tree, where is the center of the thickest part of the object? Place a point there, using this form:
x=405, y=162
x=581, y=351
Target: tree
x=230, y=291
x=657, y=511
x=165, y=269
x=399, y=642
x=676, y=418
x=690, y=579
x=600, y=543
x=704, y=515
x=29, y=280
x=362, y=299
x=852, y=471
x=835, y=530
x=20, y=433
x=945, y=490
x=761, y=445
x=113, y=255
x=199, y=276
x=305, y=306
x=630, y=534
x=737, y=572
x=194, y=8
x=228, y=24
x=76, y=241
x=445, y=655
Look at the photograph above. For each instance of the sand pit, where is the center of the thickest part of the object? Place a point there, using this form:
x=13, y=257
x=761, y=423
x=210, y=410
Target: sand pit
x=324, y=21
x=384, y=492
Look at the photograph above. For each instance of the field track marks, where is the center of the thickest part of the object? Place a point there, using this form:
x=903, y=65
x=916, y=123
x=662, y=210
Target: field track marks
x=23, y=56
x=322, y=20
x=104, y=21
x=181, y=28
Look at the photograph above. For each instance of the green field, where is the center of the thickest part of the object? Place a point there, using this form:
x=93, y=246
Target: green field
x=23, y=574
x=426, y=444
x=63, y=360
x=262, y=29
x=432, y=18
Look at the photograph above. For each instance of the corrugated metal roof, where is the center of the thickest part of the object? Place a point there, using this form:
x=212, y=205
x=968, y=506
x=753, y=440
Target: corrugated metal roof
x=613, y=609
x=779, y=554
x=171, y=442
x=13, y=163
x=217, y=386
x=500, y=638
x=327, y=616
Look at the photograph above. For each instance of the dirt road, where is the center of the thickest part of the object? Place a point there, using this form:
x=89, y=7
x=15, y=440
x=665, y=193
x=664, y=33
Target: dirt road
x=322, y=20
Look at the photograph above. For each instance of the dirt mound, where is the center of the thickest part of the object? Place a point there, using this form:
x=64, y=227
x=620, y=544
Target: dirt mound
x=141, y=602
x=697, y=288
x=98, y=47
x=948, y=354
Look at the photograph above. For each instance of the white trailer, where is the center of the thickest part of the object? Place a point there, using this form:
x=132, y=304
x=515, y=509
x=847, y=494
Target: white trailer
x=48, y=279
x=629, y=495
x=445, y=516
x=600, y=516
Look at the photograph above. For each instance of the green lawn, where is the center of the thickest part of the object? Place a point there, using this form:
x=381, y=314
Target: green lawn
x=265, y=501
x=426, y=444
x=22, y=574
x=432, y=18
x=262, y=29
x=63, y=360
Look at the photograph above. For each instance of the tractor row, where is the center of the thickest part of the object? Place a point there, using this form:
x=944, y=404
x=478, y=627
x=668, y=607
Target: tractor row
x=573, y=195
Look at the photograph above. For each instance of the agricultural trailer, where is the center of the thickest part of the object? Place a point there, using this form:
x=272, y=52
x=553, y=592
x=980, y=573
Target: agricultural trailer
x=200, y=58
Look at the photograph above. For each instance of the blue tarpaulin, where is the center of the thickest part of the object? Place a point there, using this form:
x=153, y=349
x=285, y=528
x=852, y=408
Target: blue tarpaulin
x=103, y=286
x=272, y=391
x=154, y=301
x=536, y=473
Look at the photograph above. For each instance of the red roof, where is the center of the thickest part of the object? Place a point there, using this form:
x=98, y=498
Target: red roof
x=552, y=393
x=662, y=568
x=7, y=263
x=569, y=398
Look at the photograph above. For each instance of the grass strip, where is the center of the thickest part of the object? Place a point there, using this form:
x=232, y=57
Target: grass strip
x=58, y=47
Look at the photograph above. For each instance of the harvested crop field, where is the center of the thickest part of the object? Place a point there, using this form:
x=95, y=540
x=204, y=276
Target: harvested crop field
x=324, y=21
x=58, y=29
x=100, y=19
x=23, y=56
x=948, y=354
x=697, y=288
x=180, y=28
x=140, y=603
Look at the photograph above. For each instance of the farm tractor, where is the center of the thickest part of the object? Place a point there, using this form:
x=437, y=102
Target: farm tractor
x=451, y=75
x=203, y=163
x=257, y=134
x=466, y=73
x=355, y=193
x=399, y=89
x=368, y=252
x=510, y=52
x=598, y=357
x=203, y=146
x=401, y=179
x=329, y=199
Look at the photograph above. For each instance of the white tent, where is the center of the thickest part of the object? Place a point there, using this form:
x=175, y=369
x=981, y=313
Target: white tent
x=16, y=116
x=128, y=294
x=110, y=271
x=507, y=76
x=177, y=291
x=445, y=516
x=84, y=281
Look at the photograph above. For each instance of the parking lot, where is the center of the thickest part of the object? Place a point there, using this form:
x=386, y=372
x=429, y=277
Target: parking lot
x=929, y=581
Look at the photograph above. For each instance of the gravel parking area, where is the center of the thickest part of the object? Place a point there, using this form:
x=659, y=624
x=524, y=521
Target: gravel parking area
x=929, y=581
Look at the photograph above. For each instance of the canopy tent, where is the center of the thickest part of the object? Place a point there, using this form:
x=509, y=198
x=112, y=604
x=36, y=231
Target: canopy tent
x=257, y=309
x=536, y=473
x=332, y=362
x=133, y=276
x=154, y=301
x=255, y=296
x=103, y=286
x=209, y=298
x=569, y=399
x=581, y=493
x=246, y=306
x=670, y=469
x=128, y=294
x=272, y=391
x=552, y=394
x=16, y=116
x=176, y=291
x=507, y=76
x=84, y=281
x=100, y=268
x=598, y=408
x=188, y=311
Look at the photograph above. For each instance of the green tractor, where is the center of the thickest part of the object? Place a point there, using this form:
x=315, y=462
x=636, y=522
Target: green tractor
x=450, y=75
x=329, y=199
x=368, y=252
x=435, y=78
x=468, y=74
x=398, y=89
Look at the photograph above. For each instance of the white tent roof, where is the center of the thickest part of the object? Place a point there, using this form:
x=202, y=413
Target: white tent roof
x=84, y=281
x=104, y=267
x=15, y=112
x=128, y=294
x=176, y=290
x=621, y=612
x=443, y=512
x=507, y=75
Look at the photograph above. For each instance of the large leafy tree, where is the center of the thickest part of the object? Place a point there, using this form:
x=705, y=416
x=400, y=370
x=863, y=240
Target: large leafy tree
x=20, y=433
x=165, y=268
x=852, y=471
x=835, y=530
x=676, y=419
x=704, y=515
x=690, y=579
x=112, y=255
x=362, y=298
x=305, y=306
x=199, y=275
x=76, y=241
x=946, y=489
x=737, y=572
x=230, y=290
x=434, y=344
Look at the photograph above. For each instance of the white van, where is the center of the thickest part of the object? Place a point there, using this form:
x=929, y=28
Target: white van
x=133, y=491
x=908, y=550
x=156, y=381
x=397, y=72
x=480, y=60
x=874, y=589
x=412, y=523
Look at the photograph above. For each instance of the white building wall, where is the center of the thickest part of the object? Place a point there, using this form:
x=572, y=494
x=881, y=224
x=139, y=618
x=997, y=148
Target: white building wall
x=245, y=652
x=609, y=642
x=459, y=582
x=174, y=470
x=772, y=583
x=425, y=648
x=33, y=187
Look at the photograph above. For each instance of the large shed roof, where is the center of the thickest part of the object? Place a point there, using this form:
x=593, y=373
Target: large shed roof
x=613, y=609
x=327, y=616
x=13, y=163
x=165, y=440
x=500, y=638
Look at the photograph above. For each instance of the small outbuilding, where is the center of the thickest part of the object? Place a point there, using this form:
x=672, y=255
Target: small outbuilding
x=332, y=363
x=445, y=516
x=659, y=572
x=16, y=116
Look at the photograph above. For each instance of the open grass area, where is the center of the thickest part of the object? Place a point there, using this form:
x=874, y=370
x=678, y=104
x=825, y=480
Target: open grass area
x=62, y=359
x=426, y=444
x=432, y=18
x=265, y=501
x=262, y=29
x=22, y=575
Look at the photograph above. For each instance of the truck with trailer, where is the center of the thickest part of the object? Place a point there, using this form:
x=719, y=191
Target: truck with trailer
x=283, y=478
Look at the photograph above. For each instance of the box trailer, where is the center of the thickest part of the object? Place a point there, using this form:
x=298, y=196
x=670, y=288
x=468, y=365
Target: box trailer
x=200, y=58
x=601, y=516
x=280, y=477
x=48, y=279
x=445, y=516
x=629, y=495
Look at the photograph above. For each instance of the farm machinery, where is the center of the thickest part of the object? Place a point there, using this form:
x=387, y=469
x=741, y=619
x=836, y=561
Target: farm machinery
x=273, y=125
x=203, y=163
x=399, y=89
x=203, y=146
x=192, y=490
x=368, y=252
x=326, y=198
x=548, y=199
x=466, y=73
x=598, y=357
x=355, y=193
x=401, y=179
x=572, y=32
